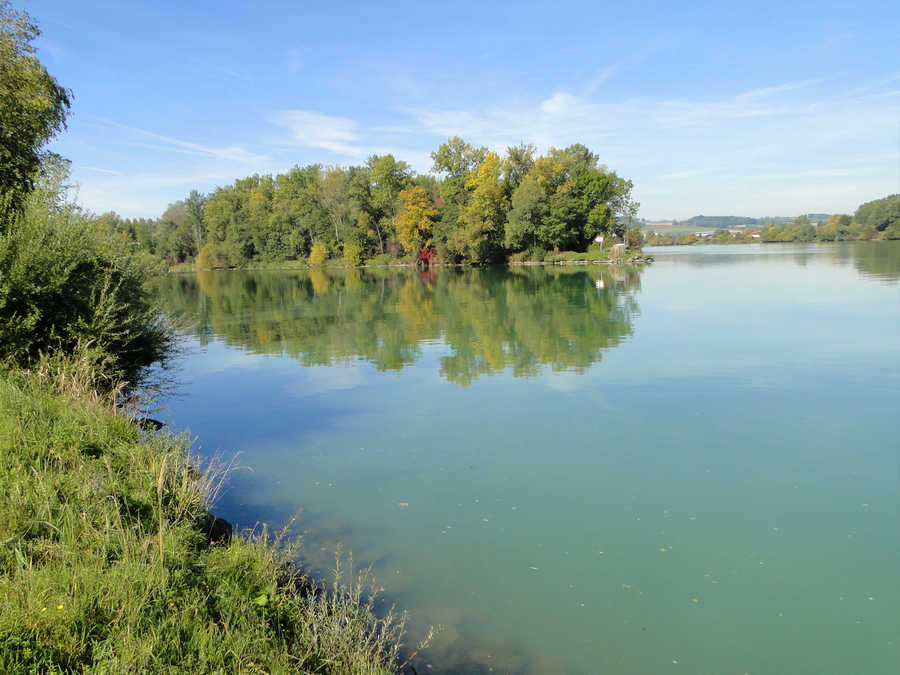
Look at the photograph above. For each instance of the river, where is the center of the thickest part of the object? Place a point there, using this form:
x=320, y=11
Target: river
x=686, y=467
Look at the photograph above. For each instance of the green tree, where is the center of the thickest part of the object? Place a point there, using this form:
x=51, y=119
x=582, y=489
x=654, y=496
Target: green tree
x=518, y=162
x=480, y=235
x=33, y=108
x=388, y=178
x=880, y=213
x=529, y=208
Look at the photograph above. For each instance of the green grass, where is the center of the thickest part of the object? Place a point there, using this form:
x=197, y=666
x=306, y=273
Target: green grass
x=106, y=564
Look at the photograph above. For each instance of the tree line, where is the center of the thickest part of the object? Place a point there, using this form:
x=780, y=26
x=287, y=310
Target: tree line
x=474, y=207
x=878, y=219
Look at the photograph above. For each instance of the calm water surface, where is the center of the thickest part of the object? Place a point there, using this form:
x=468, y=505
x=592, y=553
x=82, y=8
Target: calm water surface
x=691, y=467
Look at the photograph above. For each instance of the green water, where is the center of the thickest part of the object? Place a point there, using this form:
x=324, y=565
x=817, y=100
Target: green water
x=691, y=467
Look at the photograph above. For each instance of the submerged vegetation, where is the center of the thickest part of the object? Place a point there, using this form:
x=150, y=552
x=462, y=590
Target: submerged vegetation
x=476, y=207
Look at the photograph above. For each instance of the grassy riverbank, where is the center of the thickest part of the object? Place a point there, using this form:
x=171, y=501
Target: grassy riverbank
x=107, y=564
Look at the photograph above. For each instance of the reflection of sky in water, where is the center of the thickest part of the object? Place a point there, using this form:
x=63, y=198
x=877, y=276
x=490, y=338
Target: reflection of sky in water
x=719, y=489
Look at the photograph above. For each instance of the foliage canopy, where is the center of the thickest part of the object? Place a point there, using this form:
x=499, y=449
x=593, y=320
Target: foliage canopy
x=33, y=108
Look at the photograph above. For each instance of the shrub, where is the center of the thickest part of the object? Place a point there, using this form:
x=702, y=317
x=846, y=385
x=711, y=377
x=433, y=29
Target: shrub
x=352, y=254
x=65, y=285
x=318, y=254
x=380, y=260
x=634, y=239
x=212, y=256
x=537, y=254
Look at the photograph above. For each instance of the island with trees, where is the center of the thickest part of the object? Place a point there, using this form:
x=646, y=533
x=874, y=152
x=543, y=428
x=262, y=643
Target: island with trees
x=476, y=207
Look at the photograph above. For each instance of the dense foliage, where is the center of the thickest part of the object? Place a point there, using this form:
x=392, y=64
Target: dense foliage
x=476, y=207
x=66, y=286
x=33, y=109
x=881, y=214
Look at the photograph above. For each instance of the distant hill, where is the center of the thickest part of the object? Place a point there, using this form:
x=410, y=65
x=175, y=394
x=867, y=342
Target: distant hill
x=714, y=222
x=731, y=222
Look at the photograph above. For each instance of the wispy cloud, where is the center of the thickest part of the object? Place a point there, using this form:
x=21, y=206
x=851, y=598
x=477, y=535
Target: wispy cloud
x=100, y=170
x=599, y=78
x=231, y=153
x=315, y=130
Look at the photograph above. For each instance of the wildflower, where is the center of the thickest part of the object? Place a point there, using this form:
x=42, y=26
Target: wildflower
x=43, y=609
x=59, y=607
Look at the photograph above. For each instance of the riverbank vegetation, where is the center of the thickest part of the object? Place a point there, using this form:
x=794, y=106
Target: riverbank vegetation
x=875, y=220
x=110, y=560
x=475, y=207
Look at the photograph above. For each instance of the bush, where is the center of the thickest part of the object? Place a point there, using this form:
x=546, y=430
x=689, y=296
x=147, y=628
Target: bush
x=318, y=254
x=352, y=254
x=65, y=286
x=634, y=239
x=212, y=256
x=537, y=254
x=380, y=260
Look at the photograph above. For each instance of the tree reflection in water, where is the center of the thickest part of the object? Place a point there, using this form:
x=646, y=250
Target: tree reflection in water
x=491, y=319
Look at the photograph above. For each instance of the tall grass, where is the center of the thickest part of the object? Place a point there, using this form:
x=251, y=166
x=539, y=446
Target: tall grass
x=106, y=563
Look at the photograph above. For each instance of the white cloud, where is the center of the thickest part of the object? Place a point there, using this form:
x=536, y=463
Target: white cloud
x=602, y=76
x=231, y=153
x=101, y=170
x=315, y=130
x=724, y=153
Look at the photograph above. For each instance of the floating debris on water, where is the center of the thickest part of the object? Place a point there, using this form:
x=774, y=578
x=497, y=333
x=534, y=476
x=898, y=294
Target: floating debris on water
x=532, y=567
x=663, y=549
x=403, y=505
x=695, y=601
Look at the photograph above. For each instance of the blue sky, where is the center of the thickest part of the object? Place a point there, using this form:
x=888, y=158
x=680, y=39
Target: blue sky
x=751, y=108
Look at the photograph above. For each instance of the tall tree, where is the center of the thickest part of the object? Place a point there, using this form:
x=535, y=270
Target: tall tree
x=518, y=162
x=413, y=221
x=480, y=235
x=33, y=108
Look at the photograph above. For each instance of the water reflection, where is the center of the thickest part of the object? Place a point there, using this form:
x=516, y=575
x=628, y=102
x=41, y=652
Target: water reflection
x=489, y=319
x=872, y=259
